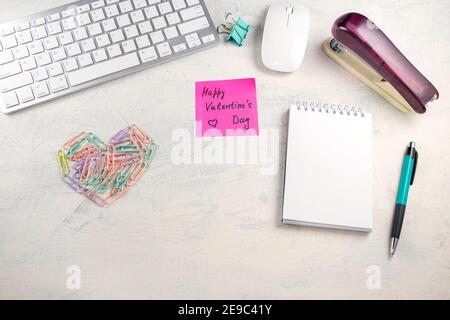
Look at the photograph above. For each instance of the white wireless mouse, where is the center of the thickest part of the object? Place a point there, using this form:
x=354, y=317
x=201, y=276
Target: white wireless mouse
x=285, y=35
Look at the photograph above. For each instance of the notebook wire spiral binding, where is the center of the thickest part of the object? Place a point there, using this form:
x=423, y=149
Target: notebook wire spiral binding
x=329, y=108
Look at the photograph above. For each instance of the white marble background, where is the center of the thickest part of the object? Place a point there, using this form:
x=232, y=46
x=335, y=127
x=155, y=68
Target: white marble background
x=213, y=231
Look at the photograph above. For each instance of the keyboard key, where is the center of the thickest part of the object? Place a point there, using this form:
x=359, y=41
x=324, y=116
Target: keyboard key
x=151, y=12
x=73, y=49
x=58, y=83
x=148, y=54
x=164, y=49
x=80, y=33
x=173, y=18
x=58, y=54
x=128, y=46
x=94, y=29
x=208, y=38
x=25, y=94
x=137, y=16
x=105, y=68
x=65, y=38
x=83, y=19
x=123, y=20
x=24, y=37
x=10, y=69
x=9, y=41
x=28, y=63
x=193, y=40
x=85, y=60
x=20, y=52
x=53, y=17
x=99, y=55
x=165, y=7
x=131, y=31
x=114, y=51
x=111, y=11
x=191, y=13
x=70, y=64
x=6, y=56
x=40, y=74
x=179, y=47
x=22, y=26
x=145, y=27
x=6, y=30
x=41, y=90
x=111, y=1
x=36, y=47
x=69, y=23
x=51, y=43
x=125, y=6
x=54, y=28
x=157, y=36
x=143, y=41
x=102, y=40
x=97, y=4
x=171, y=32
x=159, y=23
x=10, y=99
x=117, y=35
x=193, y=25
x=192, y=2
x=55, y=69
x=83, y=8
x=39, y=32
x=178, y=4
x=15, y=82
x=37, y=22
x=88, y=44
x=43, y=58
x=67, y=13
x=97, y=15
x=139, y=4
x=109, y=25
x=150, y=2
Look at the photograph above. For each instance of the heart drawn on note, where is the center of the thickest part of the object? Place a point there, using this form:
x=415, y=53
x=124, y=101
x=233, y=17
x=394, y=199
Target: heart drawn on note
x=212, y=123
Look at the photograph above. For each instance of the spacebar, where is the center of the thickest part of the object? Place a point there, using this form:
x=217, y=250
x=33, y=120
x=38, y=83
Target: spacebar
x=102, y=69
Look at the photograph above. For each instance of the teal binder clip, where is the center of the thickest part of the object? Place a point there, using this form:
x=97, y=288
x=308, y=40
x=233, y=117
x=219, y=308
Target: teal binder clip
x=237, y=32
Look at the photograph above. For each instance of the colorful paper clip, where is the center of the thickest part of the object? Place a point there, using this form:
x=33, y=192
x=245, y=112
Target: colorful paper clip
x=236, y=32
x=62, y=162
x=104, y=172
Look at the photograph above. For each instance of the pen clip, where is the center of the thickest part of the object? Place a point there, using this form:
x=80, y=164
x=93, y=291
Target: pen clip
x=413, y=174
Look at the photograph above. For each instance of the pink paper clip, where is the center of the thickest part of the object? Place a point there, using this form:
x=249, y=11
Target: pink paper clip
x=69, y=143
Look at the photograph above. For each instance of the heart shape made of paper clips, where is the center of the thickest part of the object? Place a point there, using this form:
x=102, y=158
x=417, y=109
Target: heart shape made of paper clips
x=105, y=171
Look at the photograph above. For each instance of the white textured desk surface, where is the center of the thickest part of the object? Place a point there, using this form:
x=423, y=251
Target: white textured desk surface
x=213, y=231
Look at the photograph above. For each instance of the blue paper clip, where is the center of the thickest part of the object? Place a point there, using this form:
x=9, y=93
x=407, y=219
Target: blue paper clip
x=237, y=33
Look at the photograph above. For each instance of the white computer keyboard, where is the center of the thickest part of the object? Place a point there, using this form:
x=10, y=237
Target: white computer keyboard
x=72, y=47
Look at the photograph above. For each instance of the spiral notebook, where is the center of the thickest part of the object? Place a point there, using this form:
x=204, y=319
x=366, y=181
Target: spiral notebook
x=328, y=177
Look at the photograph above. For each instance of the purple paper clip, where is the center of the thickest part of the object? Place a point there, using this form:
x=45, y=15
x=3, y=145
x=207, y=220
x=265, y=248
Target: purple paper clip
x=73, y=183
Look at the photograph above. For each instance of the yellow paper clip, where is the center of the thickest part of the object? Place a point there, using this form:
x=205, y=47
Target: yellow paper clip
x=62, y=163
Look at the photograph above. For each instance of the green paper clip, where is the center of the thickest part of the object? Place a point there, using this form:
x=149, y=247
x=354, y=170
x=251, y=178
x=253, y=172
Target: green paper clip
x=237, y=33
x=96, y=141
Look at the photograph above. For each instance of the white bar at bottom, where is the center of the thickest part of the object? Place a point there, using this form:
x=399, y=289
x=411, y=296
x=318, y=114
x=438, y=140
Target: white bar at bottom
x=102, y=69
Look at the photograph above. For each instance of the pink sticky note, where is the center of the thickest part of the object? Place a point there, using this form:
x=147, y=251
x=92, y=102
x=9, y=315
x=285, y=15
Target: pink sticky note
x=226, y=108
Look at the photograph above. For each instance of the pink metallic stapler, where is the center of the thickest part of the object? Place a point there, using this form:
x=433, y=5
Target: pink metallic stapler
x=366, y=52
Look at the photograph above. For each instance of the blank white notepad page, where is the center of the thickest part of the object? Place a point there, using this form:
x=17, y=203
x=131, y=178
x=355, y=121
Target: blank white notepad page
x=328, y=178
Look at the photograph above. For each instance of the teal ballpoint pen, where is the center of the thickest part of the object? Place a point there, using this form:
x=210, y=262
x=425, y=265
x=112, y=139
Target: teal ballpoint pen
x=406, y=180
